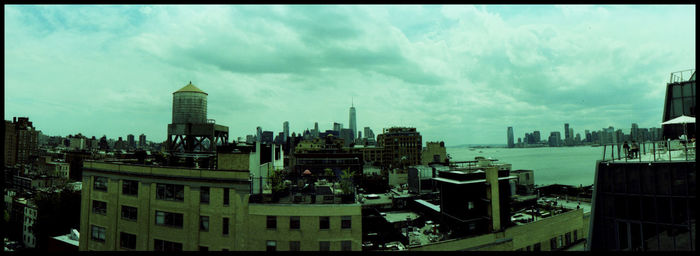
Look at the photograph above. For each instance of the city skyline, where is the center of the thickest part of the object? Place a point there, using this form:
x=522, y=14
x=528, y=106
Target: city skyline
x=448, y=71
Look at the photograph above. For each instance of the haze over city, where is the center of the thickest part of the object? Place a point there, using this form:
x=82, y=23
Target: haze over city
x=459, y=74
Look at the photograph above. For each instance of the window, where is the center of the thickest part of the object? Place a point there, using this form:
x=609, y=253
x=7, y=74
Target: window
x=553, y=243
x=568, y=238
x=271, y=246
x=203, y=248
x=346, y=245
x=294, y=245
x=225, y=226
x=537, y=247
x=226, y=195
x=100, y=183
x=166, y=246
x=575, y=235
x=99, y=207
x=324, y=222
x=129, y=213
x=204, y=223
x=294, y=222
x=271, y=222
x=127, y=240
x=98, y=233
x=204, y=195
x=130, y=187
x=324, y=246
x=470, y=205
x=169, y=219
x=346, y=222
x=170, y=192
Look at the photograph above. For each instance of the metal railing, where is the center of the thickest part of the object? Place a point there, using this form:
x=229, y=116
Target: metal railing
x=659, y=151
x=677, y=77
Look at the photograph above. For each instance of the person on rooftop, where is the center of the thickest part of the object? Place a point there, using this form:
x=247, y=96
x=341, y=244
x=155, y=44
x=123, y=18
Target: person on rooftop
x=626, y=148
x=634, y=149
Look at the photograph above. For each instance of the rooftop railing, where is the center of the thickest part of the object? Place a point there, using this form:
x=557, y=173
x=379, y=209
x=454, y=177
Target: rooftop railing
x=650, y=151
x=681, y=76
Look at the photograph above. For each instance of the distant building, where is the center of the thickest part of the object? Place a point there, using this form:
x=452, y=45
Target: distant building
x=346, y=135
x=337, y=127
x=142, y=141
x=353, y=122
x=566, y=131
x=511, y=140
x=402, y=146
x=433, y=152
x=285, y=130
x=131, y=142
x=267, y=137
x=555, y=139
x=21, y=141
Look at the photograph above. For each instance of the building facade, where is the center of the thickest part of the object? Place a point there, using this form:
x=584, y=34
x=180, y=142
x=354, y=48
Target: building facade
x=402, y=146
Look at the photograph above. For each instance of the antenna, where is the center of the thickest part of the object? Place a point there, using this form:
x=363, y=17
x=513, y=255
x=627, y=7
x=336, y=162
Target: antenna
x=353, y=102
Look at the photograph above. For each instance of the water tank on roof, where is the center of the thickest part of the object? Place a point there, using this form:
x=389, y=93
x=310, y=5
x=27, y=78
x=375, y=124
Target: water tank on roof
x=189, y=105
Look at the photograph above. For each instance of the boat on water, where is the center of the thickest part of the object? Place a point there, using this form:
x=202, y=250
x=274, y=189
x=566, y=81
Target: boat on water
x=472, y=149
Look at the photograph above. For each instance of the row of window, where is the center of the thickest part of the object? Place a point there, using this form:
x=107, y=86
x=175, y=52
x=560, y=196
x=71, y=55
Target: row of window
x=128, y=241
x=168, y=192
x=324, y=222
x=562, y=240
x=346, y=245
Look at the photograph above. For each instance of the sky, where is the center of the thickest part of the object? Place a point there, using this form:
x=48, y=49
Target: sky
x=459, y=74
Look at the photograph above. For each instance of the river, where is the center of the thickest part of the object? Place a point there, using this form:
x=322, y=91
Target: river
x=555, y=165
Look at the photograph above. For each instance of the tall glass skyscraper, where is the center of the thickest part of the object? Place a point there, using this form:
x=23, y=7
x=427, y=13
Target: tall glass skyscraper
x=511, y=142
x=353, y=121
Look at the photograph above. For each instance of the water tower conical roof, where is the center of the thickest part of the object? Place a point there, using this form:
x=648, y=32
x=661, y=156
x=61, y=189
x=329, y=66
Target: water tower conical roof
x=190, y=88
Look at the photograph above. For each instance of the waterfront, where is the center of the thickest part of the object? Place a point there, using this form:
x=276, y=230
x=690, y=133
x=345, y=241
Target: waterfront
x=560, y=165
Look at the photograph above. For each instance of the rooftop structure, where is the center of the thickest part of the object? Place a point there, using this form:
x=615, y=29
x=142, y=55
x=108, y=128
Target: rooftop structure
x=645, y=200
x=191, y=134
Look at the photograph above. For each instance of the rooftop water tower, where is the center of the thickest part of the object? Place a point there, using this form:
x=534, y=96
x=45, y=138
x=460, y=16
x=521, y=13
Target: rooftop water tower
x=191, y=134
x=189, y=105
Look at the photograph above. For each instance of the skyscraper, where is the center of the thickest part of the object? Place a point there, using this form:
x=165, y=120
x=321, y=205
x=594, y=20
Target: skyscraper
x=315, y=132
x=131, y=141
x=142, y=140
x=511, y=142
x=337, y=127
x=285, y=129
x=634, y=132
x=566, y=131
x=353, y=121
x=258, y=134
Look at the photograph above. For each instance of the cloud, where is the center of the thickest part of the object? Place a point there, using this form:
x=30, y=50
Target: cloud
x=460, y=74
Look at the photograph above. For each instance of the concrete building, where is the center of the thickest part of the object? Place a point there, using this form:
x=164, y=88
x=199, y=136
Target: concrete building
x=433, y=152
x=132, y=207
x=525, y=182
x=29, y=235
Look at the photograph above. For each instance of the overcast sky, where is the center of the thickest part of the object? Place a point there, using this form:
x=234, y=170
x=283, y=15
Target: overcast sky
x=461, y=74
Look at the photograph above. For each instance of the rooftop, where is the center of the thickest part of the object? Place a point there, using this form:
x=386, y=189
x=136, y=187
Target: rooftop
x=190, y=88
x=660, y=151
